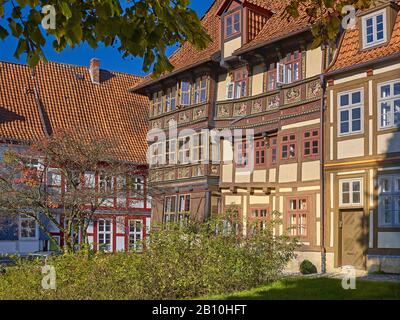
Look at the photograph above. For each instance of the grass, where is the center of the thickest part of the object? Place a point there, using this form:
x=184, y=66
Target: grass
x=317, y=289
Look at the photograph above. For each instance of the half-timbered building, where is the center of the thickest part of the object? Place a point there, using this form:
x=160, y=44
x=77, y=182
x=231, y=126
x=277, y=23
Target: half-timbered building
x=36, y=103
x=362, y=143
x=259, y=77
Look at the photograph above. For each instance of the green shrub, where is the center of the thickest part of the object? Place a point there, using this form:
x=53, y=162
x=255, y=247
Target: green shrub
x=307, y=267
x=182, y=262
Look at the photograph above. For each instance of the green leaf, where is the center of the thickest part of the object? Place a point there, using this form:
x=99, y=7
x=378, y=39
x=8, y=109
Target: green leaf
x=65, y=9
x=33, y=58
x=3, y=33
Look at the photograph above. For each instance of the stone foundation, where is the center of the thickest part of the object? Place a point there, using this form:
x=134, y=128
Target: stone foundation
x=380, y=263
x=314, y=257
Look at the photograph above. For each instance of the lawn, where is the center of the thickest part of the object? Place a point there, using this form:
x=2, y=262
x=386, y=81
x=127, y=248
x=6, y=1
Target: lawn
x=317, y=289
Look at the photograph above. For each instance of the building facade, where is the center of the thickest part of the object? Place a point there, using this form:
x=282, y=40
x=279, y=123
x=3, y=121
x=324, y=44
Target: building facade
x=259, y=82
x=292, y=147
x=34, y=104
x=362, y=143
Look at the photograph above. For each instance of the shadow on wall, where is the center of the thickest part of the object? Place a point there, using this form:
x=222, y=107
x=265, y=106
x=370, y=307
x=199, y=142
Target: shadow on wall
x=390, y=147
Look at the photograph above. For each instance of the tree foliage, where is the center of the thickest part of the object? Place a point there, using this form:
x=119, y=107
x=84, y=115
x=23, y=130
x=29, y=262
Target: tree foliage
x=140, y=28
x=326, y=16
x=184, y=261
x=27, y=188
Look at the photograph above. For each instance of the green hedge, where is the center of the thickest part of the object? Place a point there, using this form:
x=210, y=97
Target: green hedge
x=184, y=262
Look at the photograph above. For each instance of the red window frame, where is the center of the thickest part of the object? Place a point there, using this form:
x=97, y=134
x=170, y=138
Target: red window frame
x=299, y=228
x=240, y=77
x=241, y=154
x=258, y=219
x=311, y=141
x=232, y=16
x=273, y=150
x=271, y=86
x=260, y=152
x=291, y=59
x=287, y=141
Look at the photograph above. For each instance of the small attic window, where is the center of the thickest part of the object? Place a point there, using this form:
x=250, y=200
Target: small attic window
x=232, y=24
x=374, y=27
x=79, y=76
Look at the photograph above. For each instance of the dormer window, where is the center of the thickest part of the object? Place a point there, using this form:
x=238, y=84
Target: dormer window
x=374, y=29
x=232, y=24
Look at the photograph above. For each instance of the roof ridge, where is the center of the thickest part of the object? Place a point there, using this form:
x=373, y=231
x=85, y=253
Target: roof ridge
x=72, y=65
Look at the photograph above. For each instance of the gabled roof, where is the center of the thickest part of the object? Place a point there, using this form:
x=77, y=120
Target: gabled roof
x=69, y=100
x=350, y=55
x=277, y=27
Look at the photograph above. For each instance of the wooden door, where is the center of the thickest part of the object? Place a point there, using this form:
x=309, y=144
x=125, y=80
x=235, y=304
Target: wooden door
x=353, y=239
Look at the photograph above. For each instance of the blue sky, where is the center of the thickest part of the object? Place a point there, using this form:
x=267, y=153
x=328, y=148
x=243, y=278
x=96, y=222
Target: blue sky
x=110, y=58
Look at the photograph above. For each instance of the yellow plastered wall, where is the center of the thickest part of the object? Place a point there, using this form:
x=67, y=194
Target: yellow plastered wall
x=257, y=80
x=313, y=62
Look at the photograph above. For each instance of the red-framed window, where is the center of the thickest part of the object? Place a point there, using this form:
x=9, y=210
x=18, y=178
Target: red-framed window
x=259, y=152
x=273, y=150
x=241, y=154
x=286, y=71
x=298, y=215
x=311, y=143
x=258, y=219
x=232, y=24
x=240, y=83
x=271, y=77
x=288, y=146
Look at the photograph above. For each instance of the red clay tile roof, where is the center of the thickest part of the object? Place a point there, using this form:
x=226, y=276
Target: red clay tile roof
x=276, y=27
x=72, y=103
x=349, y=53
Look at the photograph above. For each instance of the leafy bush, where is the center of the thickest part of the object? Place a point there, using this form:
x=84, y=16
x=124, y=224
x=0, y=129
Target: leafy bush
x=182, y=262
x=307, y=267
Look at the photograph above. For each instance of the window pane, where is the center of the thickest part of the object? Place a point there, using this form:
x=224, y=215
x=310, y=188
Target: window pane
x=397, y=113
x=345, y=186
x=344, y=100
x=356, y=97
x=385, y=91
x=346, y=198
x=396, y=88
x=385, y=115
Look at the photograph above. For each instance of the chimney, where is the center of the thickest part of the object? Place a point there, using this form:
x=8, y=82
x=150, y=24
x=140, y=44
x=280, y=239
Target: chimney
x=94, y=70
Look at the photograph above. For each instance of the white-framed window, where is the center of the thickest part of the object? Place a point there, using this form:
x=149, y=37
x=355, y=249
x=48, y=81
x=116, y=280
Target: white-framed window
x=184, y=150
x=89, y=180
x=170, y=152
x=169, y=209
x=157, y=103
x=200, y=90
x=121, y=191
x=104, y=234
x=199, y=146
x=389, y=104
x=374, y=29
x=28, y=229
x=106, y=187
x=350, y=192
x=135, y=235
x=350, y=112
x=156, y=153
x=170, y=99
x=185, y=93
x=53, y=181
x=389, y=200
x=183, y=207
x=229, y=91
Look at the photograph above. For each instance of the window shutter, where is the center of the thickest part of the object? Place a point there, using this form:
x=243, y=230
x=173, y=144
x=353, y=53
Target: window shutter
x=280, y=74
